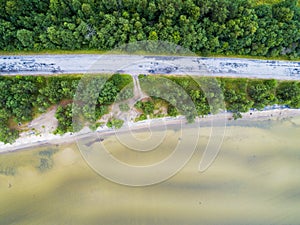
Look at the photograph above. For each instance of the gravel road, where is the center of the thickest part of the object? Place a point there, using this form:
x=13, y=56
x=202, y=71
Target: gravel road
x=139, y=64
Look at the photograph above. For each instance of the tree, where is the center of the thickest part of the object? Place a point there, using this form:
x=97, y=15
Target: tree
x=7, y=35
x=283, y=14
x=206, y=27
x=262, y=93
x=153, y=36
x=289, y=93
x=64, y=116
x=87, y=10
x=26, y=38
x=115, y=123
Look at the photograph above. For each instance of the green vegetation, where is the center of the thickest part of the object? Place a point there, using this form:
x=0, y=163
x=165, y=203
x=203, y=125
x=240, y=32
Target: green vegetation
x=146, y=106
x=124, y=107
x=140, y=118
x=115, y=123
x=235, y=95
x=23, y=97
x=64, y=116
x=45, y=164
x=153, y=108
x=93, y=98
x=288, y=93
x=224, y=27
x=95, y=104
x=94, y=126
x=239, y=94
x=126, y=93
x=262, y=92
x=269, y=1
x=172, y=93
x=8, y=171
x=46, y=160
x=40, y=159
x=48, y=153
x=266, y=1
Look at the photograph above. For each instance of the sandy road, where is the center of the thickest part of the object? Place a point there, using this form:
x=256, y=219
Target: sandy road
x=139, y=64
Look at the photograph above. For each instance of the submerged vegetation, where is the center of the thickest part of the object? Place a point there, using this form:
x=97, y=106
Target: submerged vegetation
x=41, y=159
x=46, y=160
x=223, y=27
x=8, y=171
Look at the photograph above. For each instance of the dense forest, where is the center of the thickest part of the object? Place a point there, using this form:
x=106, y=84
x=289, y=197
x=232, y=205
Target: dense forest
x=225, y=27
x=23, y=98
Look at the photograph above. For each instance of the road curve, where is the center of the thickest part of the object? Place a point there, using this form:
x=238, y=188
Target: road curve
x=140, y=64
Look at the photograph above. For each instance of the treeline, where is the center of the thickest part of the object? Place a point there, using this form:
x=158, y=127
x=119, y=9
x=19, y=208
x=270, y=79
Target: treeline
x=24, y=97
x=239, y=27
x=209, y=95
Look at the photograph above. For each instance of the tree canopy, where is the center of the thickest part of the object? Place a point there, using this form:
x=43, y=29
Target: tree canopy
x=24, y=97
x=225, y=27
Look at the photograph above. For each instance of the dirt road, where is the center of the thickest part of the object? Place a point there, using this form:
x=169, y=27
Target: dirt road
x=139, y=64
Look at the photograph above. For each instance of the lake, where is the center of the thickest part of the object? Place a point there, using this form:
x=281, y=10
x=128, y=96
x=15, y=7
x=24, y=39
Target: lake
x=255, y=179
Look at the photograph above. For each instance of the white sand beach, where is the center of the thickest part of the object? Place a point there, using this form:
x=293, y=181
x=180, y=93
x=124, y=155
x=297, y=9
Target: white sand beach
x=44, y=128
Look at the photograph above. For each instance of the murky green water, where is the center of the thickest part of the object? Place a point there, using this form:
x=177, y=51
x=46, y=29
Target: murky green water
x=254, y=180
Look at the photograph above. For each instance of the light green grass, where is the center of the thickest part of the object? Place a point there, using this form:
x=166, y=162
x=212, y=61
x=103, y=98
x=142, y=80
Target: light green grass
x=260, y=2
x=57, y=52
x=286, y=58
x=270, y=2
x=52, y=52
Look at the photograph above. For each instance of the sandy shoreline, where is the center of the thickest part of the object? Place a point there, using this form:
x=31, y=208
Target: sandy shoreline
x=49, y=138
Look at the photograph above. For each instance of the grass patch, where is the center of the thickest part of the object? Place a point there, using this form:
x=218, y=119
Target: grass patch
x=118, y=52
x=283, y=58
x=53, y=52
x=262, y=2
x=269, y=2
